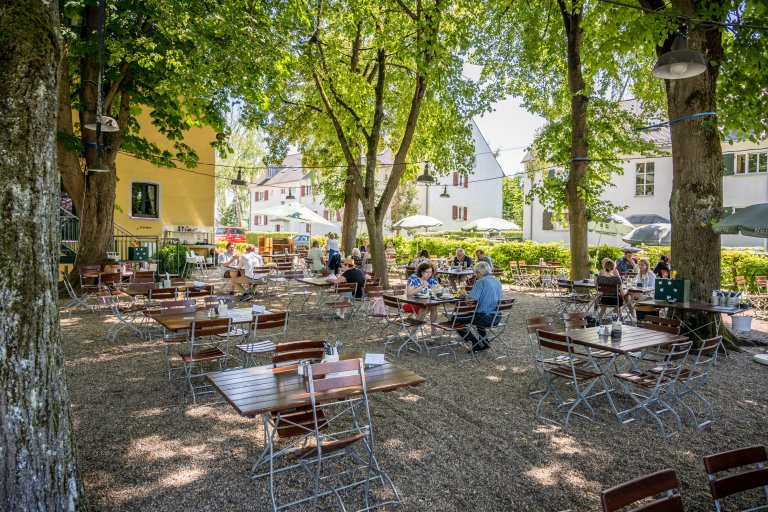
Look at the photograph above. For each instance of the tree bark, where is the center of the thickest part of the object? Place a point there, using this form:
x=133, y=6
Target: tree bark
x=577, y=206
x=349, y=221
x=38, y=469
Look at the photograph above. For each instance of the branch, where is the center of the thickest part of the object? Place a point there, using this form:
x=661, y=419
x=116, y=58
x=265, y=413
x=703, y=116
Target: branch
x=407, y=10
x=356, y=48
x=337, y=97
x=113, y=90
x=300, y=104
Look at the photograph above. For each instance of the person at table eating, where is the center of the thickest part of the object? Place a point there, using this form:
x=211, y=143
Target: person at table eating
x=488, y=293
x=644, y=279
x=420, y=282
x=461, y=260
x=662, y=268
x=350, y=273
x=248, y=262
x=423, y=257
x=481, y=256
x=609, y=275
x=626, y=264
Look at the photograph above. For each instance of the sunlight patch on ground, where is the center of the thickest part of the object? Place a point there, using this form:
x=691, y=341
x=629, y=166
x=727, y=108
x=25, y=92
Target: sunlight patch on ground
x=566, y=445
x=184, y=477
x=500, y=367
x=545, y=475
x=393, y=443
x=493, y=378
x=410, y=397
x=148, y=413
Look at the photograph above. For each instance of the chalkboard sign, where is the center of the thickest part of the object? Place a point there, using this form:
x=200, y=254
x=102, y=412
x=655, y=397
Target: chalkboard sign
x=677, y=289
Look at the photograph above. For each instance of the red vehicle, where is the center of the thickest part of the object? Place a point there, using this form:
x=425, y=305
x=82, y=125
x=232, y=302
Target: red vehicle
x=230, y=234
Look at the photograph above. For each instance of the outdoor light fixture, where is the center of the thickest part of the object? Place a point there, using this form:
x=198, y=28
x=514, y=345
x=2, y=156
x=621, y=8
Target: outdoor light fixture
x=99, y=167
x=426, y=179
x=238, y=182
x=680, y=62
x=445, y=193
x=290, y=195
x=108, y=124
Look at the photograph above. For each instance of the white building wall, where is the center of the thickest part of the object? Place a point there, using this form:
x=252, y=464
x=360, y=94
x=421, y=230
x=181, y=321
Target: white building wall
x=481, y=197
x=738, y=191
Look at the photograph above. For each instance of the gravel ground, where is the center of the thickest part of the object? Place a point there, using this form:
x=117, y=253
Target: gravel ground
x=465, y=440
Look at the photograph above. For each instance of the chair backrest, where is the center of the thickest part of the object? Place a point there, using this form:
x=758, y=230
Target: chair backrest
x=294, y=274
x=211, y=327
x=292, y=352
x=340, y=375
x=178, y=281
x=554, y=341
x=465, y=308
x=373, y=290
x=535, y=323
x=576, y=320
x=373, y=281
x=144, y=274
x=162, y=293
x=108, y=278
x=673, y=362
x=661, y=324
x=345, y=288
x=87, y=269
x=701, y=360
x=750, y=478
x=212, y=301
x=200, y=291
x=662, y=482
x=608, y=286
x=176, y=307
x=145, y=280
x=278, y=320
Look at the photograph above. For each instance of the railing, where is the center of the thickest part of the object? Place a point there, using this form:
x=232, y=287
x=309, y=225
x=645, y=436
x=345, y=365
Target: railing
x=123, y=244
x=70, y=230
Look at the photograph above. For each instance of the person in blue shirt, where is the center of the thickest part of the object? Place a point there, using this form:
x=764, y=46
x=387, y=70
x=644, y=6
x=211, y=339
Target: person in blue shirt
x=626, y=264
x=487, y=292
x=421, y=282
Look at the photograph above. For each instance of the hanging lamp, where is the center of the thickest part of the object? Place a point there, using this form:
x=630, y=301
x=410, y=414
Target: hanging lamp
x=290, y=196
x=426, y=179
x=239, y=181
x=445, y=194
x=680, y=62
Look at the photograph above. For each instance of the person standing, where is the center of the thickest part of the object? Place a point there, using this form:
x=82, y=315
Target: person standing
x=334, y=258
x=488, y=293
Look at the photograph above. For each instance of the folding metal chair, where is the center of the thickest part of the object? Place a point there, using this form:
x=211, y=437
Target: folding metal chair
x=204, y=352
x=458, y=323
x=402, y=327
x=659, y=324
x=374, y=310
x=654, y=387
x=545, y=323
x=661, y=483
x=754, y=475
x=498, y=328
x=78, y=301
x=693, y=377
x=566, y=370
x=338, y=301
x=124, y=313
x=266, y=330
x=172, y=340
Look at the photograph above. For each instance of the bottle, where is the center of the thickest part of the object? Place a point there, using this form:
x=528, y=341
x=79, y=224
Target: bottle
x=715, y=300
x=223, y=309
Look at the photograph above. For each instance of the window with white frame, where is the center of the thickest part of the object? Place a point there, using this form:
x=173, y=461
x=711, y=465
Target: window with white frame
x=282, y=191
x=751, y=162
x=644, y=176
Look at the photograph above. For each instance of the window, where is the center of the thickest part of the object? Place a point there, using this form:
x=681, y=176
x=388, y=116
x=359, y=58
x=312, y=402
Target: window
x=278, y=228
x=259, y=220
x=308, y=228
x=144, y=200
x=282, y=191
x=308, y=190
x=459, y=213
x=644, y=174
x=460, y=180
x=748, y=163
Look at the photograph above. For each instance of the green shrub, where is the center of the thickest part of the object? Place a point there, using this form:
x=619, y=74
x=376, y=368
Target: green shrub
x=742, y=263
x=172, y=259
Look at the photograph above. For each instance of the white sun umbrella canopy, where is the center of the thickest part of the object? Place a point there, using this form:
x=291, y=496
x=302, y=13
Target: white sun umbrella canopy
x=294, y=212
x=658, y=234
x=490, y=224
x=417, y=221
x=611, y=225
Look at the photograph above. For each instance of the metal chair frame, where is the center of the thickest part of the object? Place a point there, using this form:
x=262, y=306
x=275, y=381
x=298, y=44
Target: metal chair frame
x=568, y=371
x=202, y=352
x=78, y=301
x=402, y=327
x=497, y=331
x=461, y=317
x=264, y=342
x=748, y=479
x=693, y=377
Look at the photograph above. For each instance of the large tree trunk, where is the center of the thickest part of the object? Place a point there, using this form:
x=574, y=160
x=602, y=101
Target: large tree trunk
x=375, y=224
x=37, y=460
x=577, y=207
x=349, y=221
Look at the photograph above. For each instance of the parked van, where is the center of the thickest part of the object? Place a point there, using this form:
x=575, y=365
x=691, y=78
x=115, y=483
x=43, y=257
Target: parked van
x=230, y=234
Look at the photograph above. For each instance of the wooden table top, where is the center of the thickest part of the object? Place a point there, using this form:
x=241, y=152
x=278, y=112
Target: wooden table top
x=633, y=339
x=418, y=301
x=263, y=389
x=545, y=267
x=135, y=289
x=704, y=307
x=586, y=283
x=183, y=321
x=315, y=281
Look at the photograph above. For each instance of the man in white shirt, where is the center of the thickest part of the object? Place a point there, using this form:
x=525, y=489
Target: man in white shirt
x=248, y=262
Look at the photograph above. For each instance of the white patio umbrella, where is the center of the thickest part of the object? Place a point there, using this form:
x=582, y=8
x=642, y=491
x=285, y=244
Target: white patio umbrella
x=658, y=234
x=490, y=224
x=294, y=212
x=417, y=221
x=611, y=225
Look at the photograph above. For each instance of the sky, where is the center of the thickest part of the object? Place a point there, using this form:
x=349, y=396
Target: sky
x=508, y=128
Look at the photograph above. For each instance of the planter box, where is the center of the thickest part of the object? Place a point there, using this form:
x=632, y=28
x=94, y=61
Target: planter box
x=678, y=289
x=138, y=253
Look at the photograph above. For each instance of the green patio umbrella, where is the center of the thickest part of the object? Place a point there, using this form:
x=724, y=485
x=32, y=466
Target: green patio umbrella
x=749, y=221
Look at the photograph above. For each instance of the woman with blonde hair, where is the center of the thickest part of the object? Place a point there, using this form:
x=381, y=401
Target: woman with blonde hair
x=609, y=277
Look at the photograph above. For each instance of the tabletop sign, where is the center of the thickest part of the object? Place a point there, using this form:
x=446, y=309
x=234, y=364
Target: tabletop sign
x=677, y=289
x=138, y=253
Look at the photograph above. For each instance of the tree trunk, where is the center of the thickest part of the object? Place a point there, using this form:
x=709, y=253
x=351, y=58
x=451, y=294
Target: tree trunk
x=375, y=224
x=349, y=222
x=577, y=206
x=38, y=469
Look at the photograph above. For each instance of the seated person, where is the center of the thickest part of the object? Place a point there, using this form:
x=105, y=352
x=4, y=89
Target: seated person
x=356, y=257
x=481, y=256
x=367, y=266
x=461, y=259
x=423, y=257
x=645, y=279
x=390, y=251
x=316, y=255
x=626, y=264
x=609, y=275
x=248, y=262
x=487, y=291
x=228, y=261
x=662, y=268
x=350, y=273
x=420, y=282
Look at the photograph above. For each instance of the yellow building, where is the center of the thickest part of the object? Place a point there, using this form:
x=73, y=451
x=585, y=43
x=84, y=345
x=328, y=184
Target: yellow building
x=167, y=202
